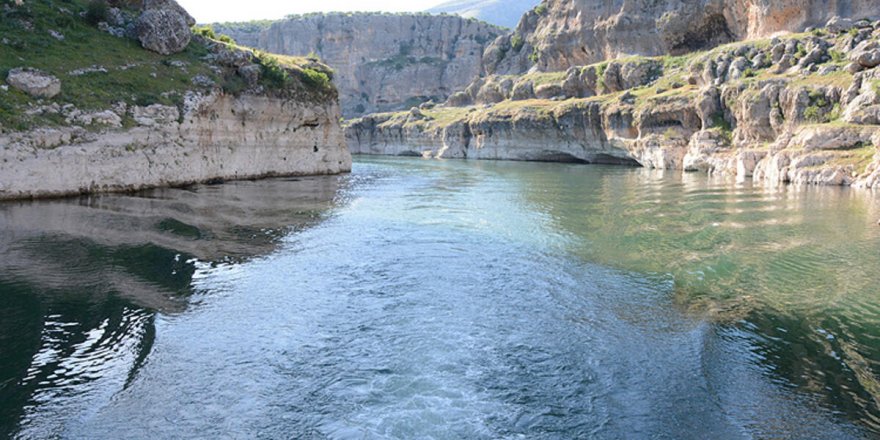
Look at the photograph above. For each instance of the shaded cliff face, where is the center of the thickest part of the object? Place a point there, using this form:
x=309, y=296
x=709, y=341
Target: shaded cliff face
x=562, y=33
x=383, y=62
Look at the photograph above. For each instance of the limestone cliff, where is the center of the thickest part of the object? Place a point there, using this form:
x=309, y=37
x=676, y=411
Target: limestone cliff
x=113, y=116
x=382, y=61
x=804, y=108
x=216, y=137
x=559, y=34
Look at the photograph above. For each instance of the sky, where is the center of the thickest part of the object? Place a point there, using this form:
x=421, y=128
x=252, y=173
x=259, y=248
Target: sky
x=210, y=11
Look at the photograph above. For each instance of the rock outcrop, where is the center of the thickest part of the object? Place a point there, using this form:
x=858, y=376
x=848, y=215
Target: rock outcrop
x=164, y=26
x=559, y=34
x=774, y=111
x=383, y=62
x=34, y=82
x=214, y=137
x=140, y=120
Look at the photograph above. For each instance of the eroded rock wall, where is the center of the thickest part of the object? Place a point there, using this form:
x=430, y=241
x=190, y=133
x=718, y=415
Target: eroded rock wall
x=383, y=62
x=564, y=33
x=213, y=137
x=802, y=109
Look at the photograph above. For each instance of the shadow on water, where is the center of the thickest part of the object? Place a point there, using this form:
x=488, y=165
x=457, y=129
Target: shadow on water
x=81, y=281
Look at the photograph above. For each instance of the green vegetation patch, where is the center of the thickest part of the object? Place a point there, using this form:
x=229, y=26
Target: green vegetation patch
x=98, y=70
x=541, y=78
x=133, y=75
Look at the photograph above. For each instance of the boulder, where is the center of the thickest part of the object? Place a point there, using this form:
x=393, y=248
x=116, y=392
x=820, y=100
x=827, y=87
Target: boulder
x=459, y=99
x=490, y=93
x=164, y=27
x=172, y=6
x=547, y=91
x=839, y=25
x=869, y=59
x=815, y=56
x=821, y=137
x=34, y=82
x=522, y=91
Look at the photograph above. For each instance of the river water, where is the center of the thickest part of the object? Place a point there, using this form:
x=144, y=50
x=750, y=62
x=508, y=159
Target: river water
x=444, y=299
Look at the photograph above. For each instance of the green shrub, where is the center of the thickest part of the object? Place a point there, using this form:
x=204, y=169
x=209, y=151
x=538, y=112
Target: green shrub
x=273, y=72
x=749, y=73
x=541, y=9
x=813, y=114
x=316, y=79
x=719, y=121
x=535, y=56
x=205, y=31
x=209, y=33
x=516, y=42
x=818, y=99
x=96, y=12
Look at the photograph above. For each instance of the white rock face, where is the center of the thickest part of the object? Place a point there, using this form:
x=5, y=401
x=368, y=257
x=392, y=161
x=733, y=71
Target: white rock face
x=581, y=32
x=220, y=137
x=34, y=82
x=382, y=61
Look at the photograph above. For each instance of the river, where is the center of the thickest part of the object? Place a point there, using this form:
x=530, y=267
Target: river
x=444, y=299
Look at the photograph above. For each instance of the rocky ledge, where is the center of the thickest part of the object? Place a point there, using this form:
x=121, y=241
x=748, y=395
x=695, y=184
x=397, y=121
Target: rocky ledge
x=804, y=108
x=210, y=111
x=216, y=137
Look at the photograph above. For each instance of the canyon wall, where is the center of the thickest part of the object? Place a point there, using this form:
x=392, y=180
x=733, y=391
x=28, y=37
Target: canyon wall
x=802, y=109
x=382, y=62
x=559, y=34
x=215, y=137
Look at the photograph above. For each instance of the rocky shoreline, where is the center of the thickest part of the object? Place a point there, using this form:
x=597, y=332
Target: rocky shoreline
x=185, y=108
x=218, y=137
x=801, y=108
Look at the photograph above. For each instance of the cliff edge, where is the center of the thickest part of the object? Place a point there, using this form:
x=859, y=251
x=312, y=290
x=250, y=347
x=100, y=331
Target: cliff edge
x=558, y=34
x=383, y=62
x=803, y=108
x=117, y=96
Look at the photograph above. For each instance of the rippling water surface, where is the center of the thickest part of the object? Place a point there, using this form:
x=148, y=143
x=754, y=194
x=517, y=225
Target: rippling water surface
x=429, y=299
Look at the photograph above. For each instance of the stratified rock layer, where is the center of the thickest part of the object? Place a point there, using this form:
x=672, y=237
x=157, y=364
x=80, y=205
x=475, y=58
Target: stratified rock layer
x=383, y=61
x=564, y=33
x=802, y=109
x=215, y=137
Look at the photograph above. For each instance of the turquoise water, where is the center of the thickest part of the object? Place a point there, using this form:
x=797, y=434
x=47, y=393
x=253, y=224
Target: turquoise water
x=444, y=299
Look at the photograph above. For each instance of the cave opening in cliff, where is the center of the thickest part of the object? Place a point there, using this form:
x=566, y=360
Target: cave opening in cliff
x=713, y=31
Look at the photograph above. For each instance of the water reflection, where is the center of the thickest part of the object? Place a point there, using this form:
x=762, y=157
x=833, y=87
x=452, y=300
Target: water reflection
x=792, y=269
x=447, y=300
x=81, y=281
